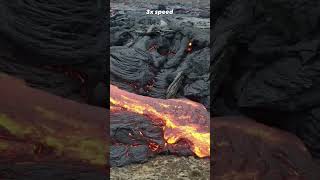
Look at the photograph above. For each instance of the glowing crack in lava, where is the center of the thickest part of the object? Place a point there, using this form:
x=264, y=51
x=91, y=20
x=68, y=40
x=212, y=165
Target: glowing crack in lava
x=182, y=118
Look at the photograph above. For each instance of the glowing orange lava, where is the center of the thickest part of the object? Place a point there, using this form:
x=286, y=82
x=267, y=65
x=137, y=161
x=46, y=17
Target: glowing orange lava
x=183, y=119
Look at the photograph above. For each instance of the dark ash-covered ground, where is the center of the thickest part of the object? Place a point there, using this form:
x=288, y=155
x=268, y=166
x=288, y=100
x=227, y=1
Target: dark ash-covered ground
x=166, y=168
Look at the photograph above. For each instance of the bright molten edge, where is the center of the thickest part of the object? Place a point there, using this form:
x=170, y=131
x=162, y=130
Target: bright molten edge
x=182, y=118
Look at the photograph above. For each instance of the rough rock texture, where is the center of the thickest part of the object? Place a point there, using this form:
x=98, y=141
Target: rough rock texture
x=131, y=135
x=40, y=132
x=142, y=127
x=244, y=149
x=59, y=31
x=39, y=44
x=266, y=63
x=148, y=52
x=166, y=168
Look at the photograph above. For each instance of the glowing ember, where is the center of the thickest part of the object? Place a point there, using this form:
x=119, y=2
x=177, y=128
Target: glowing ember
x=189, y=49
x=183, y=119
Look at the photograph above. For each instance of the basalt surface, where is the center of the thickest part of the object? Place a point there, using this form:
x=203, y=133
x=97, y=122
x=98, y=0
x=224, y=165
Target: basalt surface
x=42, y=135
x=63, y=56
x=266, y=64
x=142, y=127
x=244, y=149
x=160, y=56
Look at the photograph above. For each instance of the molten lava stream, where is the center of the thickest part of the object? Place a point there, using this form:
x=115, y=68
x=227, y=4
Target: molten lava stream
x=183, y=119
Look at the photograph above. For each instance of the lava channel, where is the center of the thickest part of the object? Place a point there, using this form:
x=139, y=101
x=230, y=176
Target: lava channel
x=183, y=119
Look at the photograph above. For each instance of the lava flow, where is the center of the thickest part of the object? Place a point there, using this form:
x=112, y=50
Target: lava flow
x=183, y=119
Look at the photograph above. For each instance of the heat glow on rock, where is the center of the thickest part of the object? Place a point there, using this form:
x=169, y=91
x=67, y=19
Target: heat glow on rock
x=183, y=119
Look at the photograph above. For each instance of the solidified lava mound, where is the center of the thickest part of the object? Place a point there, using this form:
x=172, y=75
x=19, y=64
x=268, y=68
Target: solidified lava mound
x=266, y=64
x=143, y=126
x=63, y=31
x=160, y=61
x=160, y=56
x=57, y=46
x=244, y=149
x=40, y=132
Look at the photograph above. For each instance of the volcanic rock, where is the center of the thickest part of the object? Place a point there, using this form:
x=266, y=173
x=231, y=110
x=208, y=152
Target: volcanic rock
x=32, y=41
x=244, y=149
x=148, y=52
x=142, y=127
x=40, y=132
x=51, y=37
x=266, y=63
